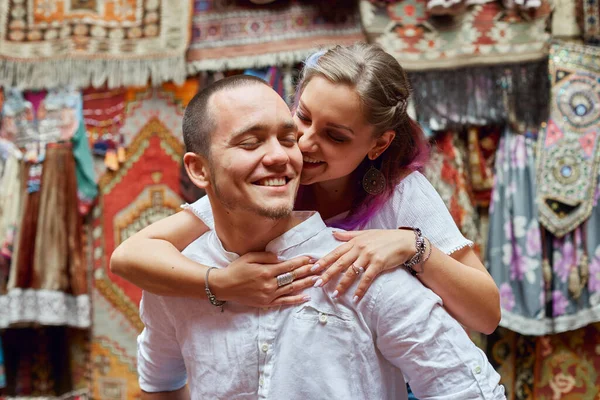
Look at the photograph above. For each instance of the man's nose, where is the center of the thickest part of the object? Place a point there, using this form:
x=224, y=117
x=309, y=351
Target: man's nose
x=276, y=154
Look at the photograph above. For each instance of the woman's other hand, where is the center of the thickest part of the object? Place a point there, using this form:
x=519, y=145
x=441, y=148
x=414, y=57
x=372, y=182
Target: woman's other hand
x=252, y=280
x=365, y=255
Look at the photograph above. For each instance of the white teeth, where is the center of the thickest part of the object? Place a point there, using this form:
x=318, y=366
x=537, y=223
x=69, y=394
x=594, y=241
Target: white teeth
x=272, y=182
x=310, y=160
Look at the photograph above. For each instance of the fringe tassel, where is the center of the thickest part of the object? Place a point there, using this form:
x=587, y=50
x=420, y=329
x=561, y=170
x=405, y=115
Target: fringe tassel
x=514, y=94
x=258, y=61
x=84, y=73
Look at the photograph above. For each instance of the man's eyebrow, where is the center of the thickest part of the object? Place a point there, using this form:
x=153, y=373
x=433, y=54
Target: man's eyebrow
x=252, y=128
x=286, y=126
x=338, y=126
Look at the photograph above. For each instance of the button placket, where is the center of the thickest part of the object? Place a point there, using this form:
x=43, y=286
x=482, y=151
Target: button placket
x=263, y=320
x=269, y=330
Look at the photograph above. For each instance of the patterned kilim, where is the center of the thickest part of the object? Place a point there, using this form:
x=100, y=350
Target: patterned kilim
x=143, y=190
x=482, y=34
x=447, y=172
x=570, y=155
x=588, y=19
x=568, y=365
x=89, y=42
x=230, y=35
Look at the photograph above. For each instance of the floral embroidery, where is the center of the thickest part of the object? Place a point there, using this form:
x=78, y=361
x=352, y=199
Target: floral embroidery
x=534, y=239
x=561, y=384
x=513, y=256
x=594, y=282
x=564, y=261
x=507, y=297
x=559, y=303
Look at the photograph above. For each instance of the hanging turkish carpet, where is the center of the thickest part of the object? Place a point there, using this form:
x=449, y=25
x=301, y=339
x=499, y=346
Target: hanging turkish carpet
x=481, y=34
x=87, y=43
x=232, y=35
x=143, y=188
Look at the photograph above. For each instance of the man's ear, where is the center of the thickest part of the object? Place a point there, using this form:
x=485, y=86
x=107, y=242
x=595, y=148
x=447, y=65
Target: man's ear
x=381, y=144
x=197, y=169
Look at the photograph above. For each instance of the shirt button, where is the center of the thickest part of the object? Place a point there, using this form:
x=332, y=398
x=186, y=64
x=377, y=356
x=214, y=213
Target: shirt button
x=261, y=382
x=323, y=318
x=264, y=347
x=478, y=370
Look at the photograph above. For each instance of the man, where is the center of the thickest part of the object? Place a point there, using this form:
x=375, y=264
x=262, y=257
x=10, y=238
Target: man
x=244, y=154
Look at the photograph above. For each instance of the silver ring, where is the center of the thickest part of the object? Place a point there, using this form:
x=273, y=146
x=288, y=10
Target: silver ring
x=285, y=279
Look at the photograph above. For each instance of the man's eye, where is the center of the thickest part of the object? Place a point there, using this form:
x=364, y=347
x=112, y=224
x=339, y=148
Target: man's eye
x=249, y=143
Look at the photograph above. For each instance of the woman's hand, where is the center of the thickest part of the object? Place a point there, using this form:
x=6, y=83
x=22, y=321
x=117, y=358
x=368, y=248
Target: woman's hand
x=366, y=254
x=251, y=280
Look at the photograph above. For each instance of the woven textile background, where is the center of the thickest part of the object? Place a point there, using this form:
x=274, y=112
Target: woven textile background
x=143, y=190
x=91, y=42
x=227, y=35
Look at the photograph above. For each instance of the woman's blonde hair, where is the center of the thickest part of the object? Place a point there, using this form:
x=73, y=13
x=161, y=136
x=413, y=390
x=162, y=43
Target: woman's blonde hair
x=384, y=91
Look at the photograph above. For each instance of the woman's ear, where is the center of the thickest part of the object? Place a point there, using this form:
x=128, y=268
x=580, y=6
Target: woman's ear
x=197, y=169
x=381, y=144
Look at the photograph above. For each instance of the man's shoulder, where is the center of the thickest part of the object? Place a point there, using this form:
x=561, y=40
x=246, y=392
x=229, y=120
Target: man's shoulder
x=318, y=245
x=399, y=288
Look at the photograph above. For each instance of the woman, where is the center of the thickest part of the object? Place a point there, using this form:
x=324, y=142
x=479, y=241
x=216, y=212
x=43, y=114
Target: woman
x=361, y=158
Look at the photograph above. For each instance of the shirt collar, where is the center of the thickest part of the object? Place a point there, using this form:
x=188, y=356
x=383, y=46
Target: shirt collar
x=310, y=226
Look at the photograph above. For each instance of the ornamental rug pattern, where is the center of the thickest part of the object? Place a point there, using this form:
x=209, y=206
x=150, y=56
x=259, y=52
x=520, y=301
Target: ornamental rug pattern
x=231, y=35
x=144, y=190
x=89, y=42
x=563, y=366
x=482, y=34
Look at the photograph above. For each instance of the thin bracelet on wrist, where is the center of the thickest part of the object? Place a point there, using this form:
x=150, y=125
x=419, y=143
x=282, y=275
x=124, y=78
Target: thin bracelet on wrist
x=420, y=250
x=211, y=297
x=422, y=263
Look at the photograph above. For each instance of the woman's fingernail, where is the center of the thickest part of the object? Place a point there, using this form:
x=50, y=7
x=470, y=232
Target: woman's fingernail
x=306, y=298
x=313, y=260
x=281, y=258
x=318, y=283
x=315, y=267
x=314, y=278
x=355, y=299
x=335, y=294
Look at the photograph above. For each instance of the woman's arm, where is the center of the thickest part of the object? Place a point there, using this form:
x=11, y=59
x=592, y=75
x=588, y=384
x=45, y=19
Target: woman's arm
x=468, y=291
x=152, y=260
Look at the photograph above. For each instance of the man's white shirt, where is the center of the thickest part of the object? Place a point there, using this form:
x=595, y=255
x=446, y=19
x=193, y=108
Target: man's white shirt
x=323, y=349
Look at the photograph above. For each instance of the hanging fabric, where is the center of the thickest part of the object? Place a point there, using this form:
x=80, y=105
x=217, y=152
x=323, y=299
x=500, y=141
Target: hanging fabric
x=569, y=143
x=48, y=279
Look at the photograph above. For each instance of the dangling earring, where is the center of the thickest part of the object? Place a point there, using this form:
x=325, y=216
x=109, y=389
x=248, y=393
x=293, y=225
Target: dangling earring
x=373, y=182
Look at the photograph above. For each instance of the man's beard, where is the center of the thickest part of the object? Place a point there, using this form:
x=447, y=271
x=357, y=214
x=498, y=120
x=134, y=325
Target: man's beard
x=274, y=213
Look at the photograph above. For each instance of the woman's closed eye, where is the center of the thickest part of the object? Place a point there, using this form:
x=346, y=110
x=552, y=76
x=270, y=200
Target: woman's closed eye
x=334, y=136
x=301, y=116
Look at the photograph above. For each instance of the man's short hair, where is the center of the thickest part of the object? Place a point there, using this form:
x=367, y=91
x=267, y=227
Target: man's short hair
x=199, y=121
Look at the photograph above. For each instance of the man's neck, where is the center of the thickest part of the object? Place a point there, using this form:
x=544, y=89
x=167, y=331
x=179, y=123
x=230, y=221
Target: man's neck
x=242, y=232
x=330, y=198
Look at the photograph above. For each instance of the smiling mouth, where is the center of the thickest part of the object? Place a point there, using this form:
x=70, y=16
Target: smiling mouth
x=273, y=182
x=311, y=162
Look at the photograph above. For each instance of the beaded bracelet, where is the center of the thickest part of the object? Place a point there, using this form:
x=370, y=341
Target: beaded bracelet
x=422, y=262
x=211, y=297
x=418, y=256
